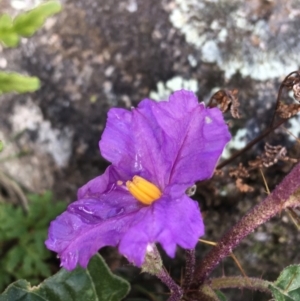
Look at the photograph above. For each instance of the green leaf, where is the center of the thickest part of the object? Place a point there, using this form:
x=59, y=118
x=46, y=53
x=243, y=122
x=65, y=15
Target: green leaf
x=221, y=296
x=14, y=82
x=1, y=146
x=7, y=34
x=287, y=286
x=26, y=24
x=96, y=283
x=23, y=254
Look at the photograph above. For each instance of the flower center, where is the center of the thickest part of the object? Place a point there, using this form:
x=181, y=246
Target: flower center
x=143, y=190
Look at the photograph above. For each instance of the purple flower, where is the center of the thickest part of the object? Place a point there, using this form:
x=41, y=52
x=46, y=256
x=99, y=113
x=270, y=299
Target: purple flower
x=157, y=151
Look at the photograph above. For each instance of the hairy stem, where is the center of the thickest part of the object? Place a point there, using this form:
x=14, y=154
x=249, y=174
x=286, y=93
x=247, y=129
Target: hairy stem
x=285, y=195
x=176, y=291
x=240, y=282
x=189, y=268
x=153, y=265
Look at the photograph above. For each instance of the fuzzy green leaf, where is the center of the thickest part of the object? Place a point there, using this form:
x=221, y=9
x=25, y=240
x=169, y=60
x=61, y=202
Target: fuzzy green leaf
x=287, y=286
x=8, y=36
x=96, y=283
x=26, y=24
x=14, y=82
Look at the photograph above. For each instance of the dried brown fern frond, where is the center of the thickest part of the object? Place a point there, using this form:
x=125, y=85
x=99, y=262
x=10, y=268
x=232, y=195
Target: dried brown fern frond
x=287, y=111
x=227, y=100
x=296, y=90
x=219, y=173
x=291, y=80
x=271, y=156
x=239, y=172
x=243, y=187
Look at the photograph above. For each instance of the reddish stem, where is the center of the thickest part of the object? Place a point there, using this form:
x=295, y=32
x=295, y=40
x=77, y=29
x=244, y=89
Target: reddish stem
x=286, y=194
x=189, y=268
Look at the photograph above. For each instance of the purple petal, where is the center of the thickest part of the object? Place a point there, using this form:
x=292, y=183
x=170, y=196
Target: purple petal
x=101, y=184
x=76, y=242
x=89, y=224
x=168, y=221
x=166, y=142
x=172, y=144
x=135, y=142
x=204, y=141
x=117, y=143
x=135, y=145
x=196, y=138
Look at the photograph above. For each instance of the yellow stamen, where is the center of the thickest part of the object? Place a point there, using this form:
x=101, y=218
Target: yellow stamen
x=143, y=190
x=147, y=187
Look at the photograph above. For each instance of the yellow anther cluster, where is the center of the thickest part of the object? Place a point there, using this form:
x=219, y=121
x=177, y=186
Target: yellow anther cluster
x=143, y=190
